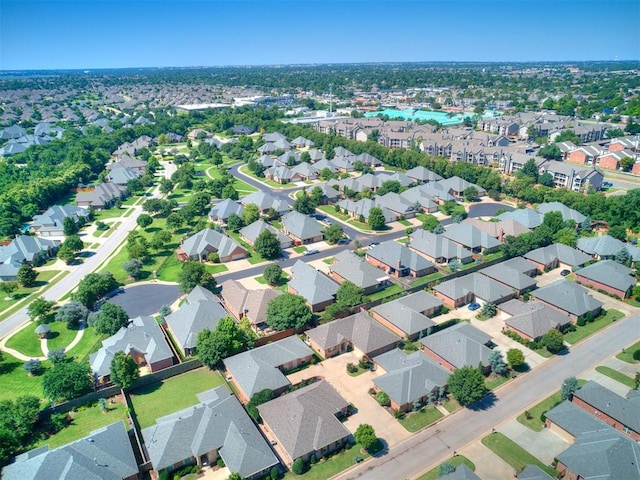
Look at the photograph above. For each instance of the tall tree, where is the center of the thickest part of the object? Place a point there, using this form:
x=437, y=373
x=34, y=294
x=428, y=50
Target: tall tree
x=267, y=245
x=110, y=319
x=376, y=219
x=27, y=275
x=193, y=274
x=67, y=380
x=124, y=370
x=287, y=311
x=466, y=384
x=366, y=436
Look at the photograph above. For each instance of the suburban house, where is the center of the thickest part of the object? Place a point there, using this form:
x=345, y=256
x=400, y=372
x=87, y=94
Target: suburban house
x=142, y=340
x=438, y=248
x=456, y=187
x=471, y=238
x=125, y=161
x=264, y=367
x=200, y=310
x=462, y=472
x=408, y=316
x=620, y=413
x=510, y=274
x=105, y=453
x=524, y=216
x=122, y=176
x=421, y=174
x=499, y=229
x=532, y=319
x=24, y=249
x=245, y=303
x=358, y=332
x=348, y=266
x=264, y=202
x=217, y=427
x=251, y=232
x=410, y=377
x=460, y=291
x=329, y=194
x=315, y=287
x=399, y=205
x=306, y=422
x=567, y=213
x=420, y=200
x=606, y=247
x=459, y=346
x=570, y=421
x=569, y=298
x=301, y=228
x=198, y=246
x=609, y=276
x=397, y=260
x=530, y=472
x=360, y=209
x=51, y=222
x=220, y=212
x=102, y=196
x=557, y=254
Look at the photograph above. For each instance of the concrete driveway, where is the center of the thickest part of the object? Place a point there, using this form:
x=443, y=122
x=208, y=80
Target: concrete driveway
x=356, y=391
x=545, y=445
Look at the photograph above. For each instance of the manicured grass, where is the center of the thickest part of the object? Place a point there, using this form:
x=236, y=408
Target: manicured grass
x=536, y=423
x=426, y=279
x=617, y=376
x=493, y=256
x=362, y=226
x=90, y=342
x=102, y=215
x=331, y=210
x=451, y=405
x=84, y=421
x=627, y=354
x=173, y=394
x=494, y=381
x=590, y=328
x=43, y=280
x=634, y=302
x=512, y=453
x=406, y=223
x=327, y=468
x=26, y=341
x=170, y=270
x=300, y=249
x=393, y=289
x=63, y=338
x=114, y=227
x=254, y=257
x=455, y=461
x=239, y=185
x=15, y=381
x=243, y=169
x=215, y=268
x=415, y=421
x=328, y=261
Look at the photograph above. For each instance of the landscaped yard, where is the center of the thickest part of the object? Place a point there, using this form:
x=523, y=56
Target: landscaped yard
x=102, y=215
x=426, y=279
x=245, y=170
x=254, y=257
x=590, y=328
x=300, y=249
x=173, y=394
x=331, y=210
x=60, y=336
x=42, y=280
x=451, y=405
x=15, y=381
x=627, y=355
x=84, y=421
x=329, y=467
x=455, y=461
x=170, y=270
x=393, y=289
x=617, y=376
x=536, y=422
x=90, y=342
x=512, y=453
x=242, y=187
x=494, y=381
x=26, y=341
x=415, y=421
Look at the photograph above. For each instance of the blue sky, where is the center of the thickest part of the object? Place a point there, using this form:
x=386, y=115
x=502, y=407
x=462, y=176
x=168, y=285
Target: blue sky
x=148, y=33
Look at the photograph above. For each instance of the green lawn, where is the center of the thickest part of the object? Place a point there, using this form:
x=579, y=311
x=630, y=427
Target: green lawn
x=300, y=249
x=406, y=223
x=494, y=381
x=26, y=341
x=590, y=328
x=634, y=302
x=328, y=261
x=114, y=227
x=415, y=421
x=254, y=257
x=170, y=269
x=627, y=354
x=512, y=453
x=362, y=226
x=451, y=405
x=239, y=185
x=60, y=336
x=243, y=169
x=331, y=210
x=617, y=376
x=455, y=461
x=327, y=468
x=102, y=215
x=426, y=279
x=536, y=423
x=83, y=422
x=15, y=381
x=493, y=256
x=90, y=342
x=393, y=289
x=173, y=394
x=215, y=268
x=42, y=280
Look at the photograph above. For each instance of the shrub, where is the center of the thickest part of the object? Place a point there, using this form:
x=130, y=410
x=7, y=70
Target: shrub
x=397, y=413
x=299, y=466
x=351, y=368
x=636, y=355
x=383, y=399
x=313, y=459
x=581, y=321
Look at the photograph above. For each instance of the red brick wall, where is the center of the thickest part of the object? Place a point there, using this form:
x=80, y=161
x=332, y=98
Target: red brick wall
x=577, y=157
x=616, y=147
x=154, y=367
x=636, y=168
x=609, y=162
x=388, y=324
x=566, y=474
x=599, y=286
x=522, y=334
x=449, y=302
x=437, y=358
x=590, y=409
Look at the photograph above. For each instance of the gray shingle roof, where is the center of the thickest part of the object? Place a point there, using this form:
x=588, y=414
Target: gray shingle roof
x=437, y=246
x=609, y=273
x=364, y=332
x=533, y=472
x=313, y=285
x=218, y=423
x=460, y=345
x=357, y=271
x=264, y=201
x=422, y=174
x=567, y=213
x=533, y=318
x=574, y=419
x=24, y=248
x=470, y=236
x=225, y=208
x=564, y=253
x=257, y=369
x=417, y=195
x=252, y=231
x=457, y=184
x=625, y=410
x=397, y=256
x=525, y=216
x=195, y=315
x=104, y=454
x=462, y=473
x=606, y=246
x=569, y=297
x=305, y=421
x=482, y=287
x=122, y=175
x=53, y=218
x=509, y=276
x=300, y=225
x=405, y=312
x=200, y=243
x=409, y=377
x=142, y=335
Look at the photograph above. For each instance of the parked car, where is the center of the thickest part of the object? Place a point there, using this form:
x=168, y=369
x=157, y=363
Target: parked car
x=474, y=306
x=607, y=184
x=311, y=251
x=564, y=273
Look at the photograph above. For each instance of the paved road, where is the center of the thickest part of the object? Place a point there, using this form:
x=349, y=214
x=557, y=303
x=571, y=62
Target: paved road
x=436, y=444
x=146, y=299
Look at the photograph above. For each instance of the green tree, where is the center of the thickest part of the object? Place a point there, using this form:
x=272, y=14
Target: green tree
x=27, y=275
x=73, y=314
x=619, y=232
x=304, y=205
x=287, y=311
x=515, y=357
x=66, y=380
x=133, y=268
x=124, y=370
x=110, y=319
x=566, y=236
x=272, y=274
x=568, y=136
x=299, y=466
x=470, y=194
x=546, y=179
x=445, y=468
x=626, y=163
x=333, y=233
x=383, y=399
x=263, y=396
x=430, y=223
x=229, y=191
x=496, y=361
x=144, y=220
x=214, y=346
x=569, y=386
x=365, y=435
x=93, y=287
x=66, y=254
x=267, y=245
x=489, y=310
x=69, y=226
x=175, y=221
x=349, y=294
x=250, y=213
x=550, y=151
x=623, y=256
x=234, y=222
x=376, y=219
x=40, y=309
x=193, y=274
x=234, y=476
x=553, y=341
x=529, y=169
x=8, y=288
x=73, y=243
x=439, y=229
x=466, y=384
